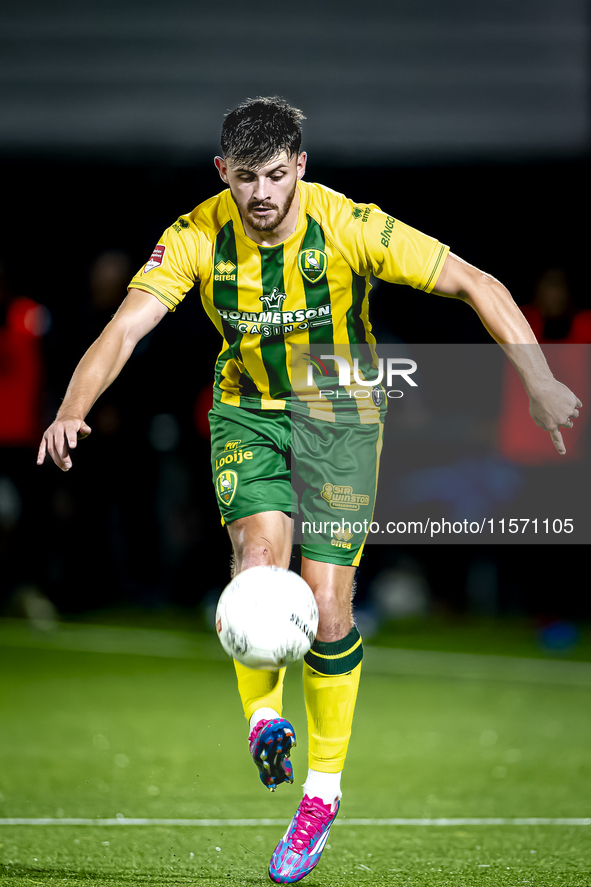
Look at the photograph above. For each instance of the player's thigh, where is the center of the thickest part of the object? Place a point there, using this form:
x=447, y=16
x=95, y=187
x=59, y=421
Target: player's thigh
x=250, y=453
x=335, y=470
x=262, y=539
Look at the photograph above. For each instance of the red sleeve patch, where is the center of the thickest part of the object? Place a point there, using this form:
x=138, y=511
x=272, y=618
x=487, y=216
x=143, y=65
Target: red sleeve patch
x=156, y=258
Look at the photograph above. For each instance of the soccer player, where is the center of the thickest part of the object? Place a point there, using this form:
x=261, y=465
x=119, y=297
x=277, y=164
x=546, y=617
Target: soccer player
x=282, y=263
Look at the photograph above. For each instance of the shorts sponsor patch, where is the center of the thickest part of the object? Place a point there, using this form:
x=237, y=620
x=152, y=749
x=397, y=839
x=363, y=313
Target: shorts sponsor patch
x=156, y=258
x=343, y=497
x=236, y=456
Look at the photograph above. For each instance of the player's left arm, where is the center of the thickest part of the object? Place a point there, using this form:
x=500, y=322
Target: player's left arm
x=551, y=404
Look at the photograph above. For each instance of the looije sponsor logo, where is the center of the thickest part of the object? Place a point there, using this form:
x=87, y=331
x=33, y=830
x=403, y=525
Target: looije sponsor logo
x=229, y=457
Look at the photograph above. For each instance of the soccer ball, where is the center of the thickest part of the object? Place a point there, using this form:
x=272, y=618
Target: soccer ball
x=267, y=617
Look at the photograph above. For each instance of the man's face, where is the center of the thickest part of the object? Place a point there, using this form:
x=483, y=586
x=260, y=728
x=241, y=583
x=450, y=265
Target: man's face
x=264, y=195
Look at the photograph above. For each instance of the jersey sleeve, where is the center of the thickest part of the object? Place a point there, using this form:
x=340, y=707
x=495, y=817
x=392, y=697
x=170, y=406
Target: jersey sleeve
x=376, y=243
x=400, y=254
x=176, y=263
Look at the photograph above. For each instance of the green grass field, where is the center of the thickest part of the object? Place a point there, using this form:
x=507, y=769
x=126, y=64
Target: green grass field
x=106, y=723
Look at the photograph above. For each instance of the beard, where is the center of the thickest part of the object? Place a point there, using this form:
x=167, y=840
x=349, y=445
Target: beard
x=275, y=217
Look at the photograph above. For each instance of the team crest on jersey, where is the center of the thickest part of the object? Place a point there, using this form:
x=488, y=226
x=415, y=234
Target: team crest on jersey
x=313, y=264
x=226, y=484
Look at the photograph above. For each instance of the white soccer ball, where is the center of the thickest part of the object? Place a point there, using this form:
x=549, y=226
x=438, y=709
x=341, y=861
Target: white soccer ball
x=267, y=617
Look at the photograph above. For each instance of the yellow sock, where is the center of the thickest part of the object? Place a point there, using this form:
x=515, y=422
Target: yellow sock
x=331, y=681
x=259, y=689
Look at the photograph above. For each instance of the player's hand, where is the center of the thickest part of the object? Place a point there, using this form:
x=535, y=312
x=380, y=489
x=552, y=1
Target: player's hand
x=61, y=437
x=554, y=407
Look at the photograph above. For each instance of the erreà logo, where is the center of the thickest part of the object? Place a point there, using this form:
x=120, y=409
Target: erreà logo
x=274, y=301
x=312, y=264
x=225, y=271
x=343, y=534
x=225, y=267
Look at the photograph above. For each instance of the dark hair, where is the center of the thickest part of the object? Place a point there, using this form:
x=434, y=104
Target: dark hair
x=259, y=129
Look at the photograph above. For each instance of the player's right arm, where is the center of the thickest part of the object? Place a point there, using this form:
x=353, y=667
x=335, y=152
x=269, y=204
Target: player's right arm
x=138, y=314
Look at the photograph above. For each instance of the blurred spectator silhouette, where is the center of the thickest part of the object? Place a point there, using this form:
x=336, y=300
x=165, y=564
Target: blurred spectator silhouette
x=108, y=277
x=558, y=324
x=127, y=506
x=552, y=314
x=104, y=506
x=23, y=323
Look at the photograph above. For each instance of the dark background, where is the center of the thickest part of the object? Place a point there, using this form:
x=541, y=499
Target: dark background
x=466, y=120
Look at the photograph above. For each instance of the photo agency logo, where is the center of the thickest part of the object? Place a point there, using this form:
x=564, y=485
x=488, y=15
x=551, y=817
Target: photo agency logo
x=335, y=376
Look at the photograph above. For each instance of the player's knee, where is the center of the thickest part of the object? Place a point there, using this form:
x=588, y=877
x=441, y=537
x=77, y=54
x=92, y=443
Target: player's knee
x=254, y=551
x=258, y=554
x=260, y=541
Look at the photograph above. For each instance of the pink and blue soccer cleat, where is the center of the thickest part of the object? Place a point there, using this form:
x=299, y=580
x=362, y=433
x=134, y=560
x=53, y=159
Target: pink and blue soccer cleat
x=301, y=847
x=270, y=744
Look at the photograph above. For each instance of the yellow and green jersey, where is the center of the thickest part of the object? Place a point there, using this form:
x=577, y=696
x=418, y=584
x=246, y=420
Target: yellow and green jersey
x=267, y=300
